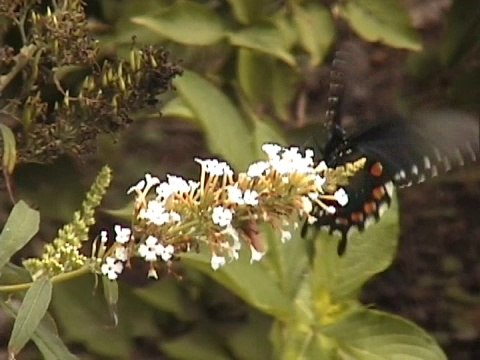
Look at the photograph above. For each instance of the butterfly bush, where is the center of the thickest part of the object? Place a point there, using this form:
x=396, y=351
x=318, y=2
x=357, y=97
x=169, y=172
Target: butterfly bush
x=222, y=210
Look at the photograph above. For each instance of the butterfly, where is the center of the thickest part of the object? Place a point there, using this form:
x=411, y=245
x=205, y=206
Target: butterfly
x=398, y=153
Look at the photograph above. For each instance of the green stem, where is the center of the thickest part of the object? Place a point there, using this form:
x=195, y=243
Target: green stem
x=55, y=279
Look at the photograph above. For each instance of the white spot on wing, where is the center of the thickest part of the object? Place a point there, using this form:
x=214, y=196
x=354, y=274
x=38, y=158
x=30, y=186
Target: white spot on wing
x=383, y=209
x=369, y=221
x=389, y=188
x=459, y=157
x=415, y=170
x=426, y=162
x=469, y=146
x=352, y=231
x=438, y=155
x=446, y=163
x=337, y=232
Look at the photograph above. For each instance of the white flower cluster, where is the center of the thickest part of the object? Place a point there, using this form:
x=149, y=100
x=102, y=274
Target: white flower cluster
x=179, y=201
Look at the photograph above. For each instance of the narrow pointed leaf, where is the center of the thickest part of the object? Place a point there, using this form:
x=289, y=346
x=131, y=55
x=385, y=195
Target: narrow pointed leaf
x=265, y=38
x=249, y=281
x=21, y=226
x=371, y=334
x=382, y=20
x=187, y=23
x=316, y=30
x=225, y=129
x=31, y=312
x=45, y=337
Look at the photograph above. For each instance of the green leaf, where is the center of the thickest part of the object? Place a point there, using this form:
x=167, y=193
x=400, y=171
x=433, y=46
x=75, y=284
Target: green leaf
x=13, y=275
x=187, y=23
x=284, y=89
x=367, y=254
x=83, y=319
x=266, y=131
x=265, y=38
x=382, y=20
x=9, y=155
x=226, y=132
x=251, y=282
x=167, y=295
x=463, y=31
x=199, y=344
x=247, y=11
x=33, y=309
x=371, y=334
x=250, y=339
x=287, y=261
x=45, y=337
x=316, y=30
x=20, y=227
x=254, y=74
x=178, y=108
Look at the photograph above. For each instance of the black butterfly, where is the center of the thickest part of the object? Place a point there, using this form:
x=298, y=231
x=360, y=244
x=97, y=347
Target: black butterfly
x=398, y=153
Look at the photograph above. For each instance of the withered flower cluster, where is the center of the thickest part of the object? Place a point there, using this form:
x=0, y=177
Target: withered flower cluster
x=57, y=93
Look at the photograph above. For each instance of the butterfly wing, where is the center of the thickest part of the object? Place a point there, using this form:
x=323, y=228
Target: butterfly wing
x=397, y=153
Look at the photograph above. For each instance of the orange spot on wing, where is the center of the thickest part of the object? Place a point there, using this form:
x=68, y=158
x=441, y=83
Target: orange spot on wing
x=376, y=169
x=357, y=217
x=378, y=193
x=341, y=221
x=369, y=207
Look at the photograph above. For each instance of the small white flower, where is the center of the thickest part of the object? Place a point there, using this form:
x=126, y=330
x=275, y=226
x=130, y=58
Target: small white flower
x=150, y=248
x=121, y=253
x=250, y=197
x=122, y=234
x=271, y=150
x=155, y=213
x=257, y=169
x=222, y=216
x=256, y=255
x=331, y=210
x=280, y=166
x=194, y=185
x=309, y=153
x=341, y=197
x=227, y=170
x=307, y=205
x=322, y=166
x=145, y=185
x=215, y=167
x=165, y=252
x=235, y=194
x=103, y=236
x=178, y=184
x=291, y=154
x=319, y=182
x=111, y=268
x=164, y=190
x=217, y=261
x=311, y=220
x=234, y=248
x=137, y=187
x=285, y=236
x=174, y=216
